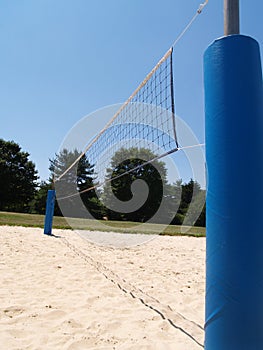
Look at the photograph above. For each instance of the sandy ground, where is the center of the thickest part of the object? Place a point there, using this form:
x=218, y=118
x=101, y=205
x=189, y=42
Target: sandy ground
x=64, y=292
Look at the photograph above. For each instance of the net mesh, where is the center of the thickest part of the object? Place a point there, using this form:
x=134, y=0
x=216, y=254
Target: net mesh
x=145, y=120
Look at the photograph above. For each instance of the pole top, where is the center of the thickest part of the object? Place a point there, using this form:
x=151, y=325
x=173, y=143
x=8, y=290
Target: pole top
x=231, y=17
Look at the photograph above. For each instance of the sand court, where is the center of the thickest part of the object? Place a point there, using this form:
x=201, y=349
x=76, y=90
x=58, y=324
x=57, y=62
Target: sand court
x=64, y=292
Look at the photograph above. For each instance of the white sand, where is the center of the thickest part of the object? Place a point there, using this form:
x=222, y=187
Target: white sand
x=67, y=293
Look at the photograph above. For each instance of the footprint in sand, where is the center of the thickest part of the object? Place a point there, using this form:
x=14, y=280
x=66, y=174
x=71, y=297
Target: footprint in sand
x=13, y=311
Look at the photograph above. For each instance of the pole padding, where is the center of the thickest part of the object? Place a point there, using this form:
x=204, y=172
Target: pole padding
x=50, y=204
x=234, y=156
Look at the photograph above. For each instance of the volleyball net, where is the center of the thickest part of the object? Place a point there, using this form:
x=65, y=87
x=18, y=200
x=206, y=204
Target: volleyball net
x=146, y=120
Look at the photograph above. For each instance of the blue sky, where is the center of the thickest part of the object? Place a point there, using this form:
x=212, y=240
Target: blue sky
x=61, y=60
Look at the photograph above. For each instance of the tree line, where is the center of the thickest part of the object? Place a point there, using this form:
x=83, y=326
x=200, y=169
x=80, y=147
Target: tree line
x=21, y=191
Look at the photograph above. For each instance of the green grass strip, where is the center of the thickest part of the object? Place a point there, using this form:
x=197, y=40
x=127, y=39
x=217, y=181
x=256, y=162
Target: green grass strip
x=35, y=220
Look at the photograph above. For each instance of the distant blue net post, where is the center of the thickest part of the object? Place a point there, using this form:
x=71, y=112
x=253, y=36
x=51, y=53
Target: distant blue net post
x=234, y=155
x=50, y=204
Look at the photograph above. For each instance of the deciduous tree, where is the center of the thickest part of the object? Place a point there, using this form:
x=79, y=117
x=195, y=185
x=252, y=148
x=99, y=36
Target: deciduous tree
x=18, y=177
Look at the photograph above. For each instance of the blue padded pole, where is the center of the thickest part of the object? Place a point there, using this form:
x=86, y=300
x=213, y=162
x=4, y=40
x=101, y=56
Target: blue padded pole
x=234, y=155
x=50, y=204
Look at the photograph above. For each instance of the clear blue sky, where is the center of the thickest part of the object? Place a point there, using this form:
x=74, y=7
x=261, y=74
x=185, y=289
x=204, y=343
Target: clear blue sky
x=61, y=60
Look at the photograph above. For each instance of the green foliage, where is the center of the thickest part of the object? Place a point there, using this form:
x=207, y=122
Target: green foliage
x=191, y=209
x=181, y=202
x=78, y=178
x=195, y=209
x=38, y=204
x=178, y=219
x=18, y=178
x=154, y=174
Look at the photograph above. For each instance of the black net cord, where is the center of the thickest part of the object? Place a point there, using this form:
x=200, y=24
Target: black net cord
x=172, y=98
